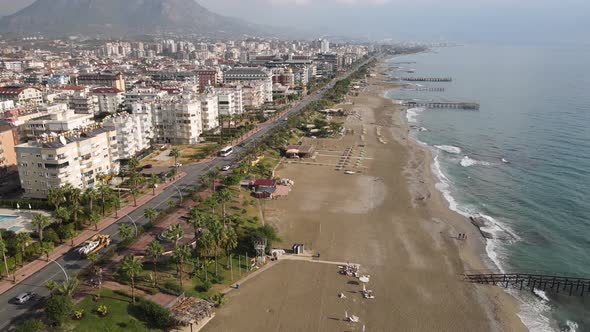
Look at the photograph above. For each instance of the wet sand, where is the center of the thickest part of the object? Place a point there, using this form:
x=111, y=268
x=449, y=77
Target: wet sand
x=390, y=219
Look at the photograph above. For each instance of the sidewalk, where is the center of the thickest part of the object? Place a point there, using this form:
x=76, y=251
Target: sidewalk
x=36, y=265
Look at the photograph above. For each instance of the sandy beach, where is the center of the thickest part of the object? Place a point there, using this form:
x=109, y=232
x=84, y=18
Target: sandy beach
x=390, y=219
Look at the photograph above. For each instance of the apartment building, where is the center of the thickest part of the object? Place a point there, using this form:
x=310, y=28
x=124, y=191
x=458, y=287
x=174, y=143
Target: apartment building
x=21, y=95
x=77, y=158
x=253, y=94
x=104, y=79
x=176, y=119
x=247, y=75
x=8, y=139
x=57, y=122
x=134, y=132
x=109, y=100
x=139, y=95
x=209, y=111
x=230, y=101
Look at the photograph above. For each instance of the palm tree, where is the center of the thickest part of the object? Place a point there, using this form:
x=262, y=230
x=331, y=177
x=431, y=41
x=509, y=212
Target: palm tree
x=132, y=165
x=153, y=183
x=230, y=242
x=197, y=218
x=223, y=196
x=150, y=214
x=132, y=267
x=216, y=230
x=46, y=248
x=126, y=231
x=75, y=200
x=134, y=193
x=115, y=200
x=155, y=250
x=62, y=214
x=91, y=196
x=3, y=250
x=70, y=234
x=105, y=192
x=40, y=221
x=95, y=219
x=55, y=197
x=23, y=239
x=68, y=288
x=175, y=152
x=51, y=285
x=181, y=255
x=213, y=174
x=175, y=233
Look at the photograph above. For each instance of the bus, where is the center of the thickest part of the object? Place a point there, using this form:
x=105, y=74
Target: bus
x=226, y=151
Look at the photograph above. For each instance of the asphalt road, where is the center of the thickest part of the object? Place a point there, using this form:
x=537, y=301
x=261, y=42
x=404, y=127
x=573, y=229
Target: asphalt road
x=11, y=313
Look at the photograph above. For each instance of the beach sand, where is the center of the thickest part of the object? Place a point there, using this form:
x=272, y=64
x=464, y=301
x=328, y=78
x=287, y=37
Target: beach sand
x=390, y=219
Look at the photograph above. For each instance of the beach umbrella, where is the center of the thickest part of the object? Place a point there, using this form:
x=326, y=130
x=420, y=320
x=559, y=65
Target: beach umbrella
x=17, y=206
x=364, y=279
x=30, y=208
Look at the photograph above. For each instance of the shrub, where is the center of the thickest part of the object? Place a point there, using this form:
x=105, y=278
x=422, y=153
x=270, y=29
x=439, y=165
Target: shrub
x=58, y=309
x=154, y=315
x=32, y=325
x=205, y=287
x=218, y=279
x=50, y=235
x=102, y=310
x=172, y=288
x=78, y=314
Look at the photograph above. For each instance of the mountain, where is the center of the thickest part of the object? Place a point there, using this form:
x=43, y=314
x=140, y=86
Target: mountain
x=122, y=17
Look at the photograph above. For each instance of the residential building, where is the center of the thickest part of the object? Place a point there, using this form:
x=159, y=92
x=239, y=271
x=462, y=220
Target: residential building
x=8, y=139
x=103, y=79
x=139, y=95
x=244, y=75
x=209, y=111
x=21, y=95
x=109, y=100
x=206, y=77
x=230, y=101
x=6, y=105
x=253, y=94
x=176, y=119
x=58, y=122
x=76, y=159
x=134, y=132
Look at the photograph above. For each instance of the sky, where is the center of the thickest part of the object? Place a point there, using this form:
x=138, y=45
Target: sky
x=502, y=21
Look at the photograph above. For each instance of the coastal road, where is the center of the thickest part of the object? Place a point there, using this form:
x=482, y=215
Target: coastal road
x=11, y=313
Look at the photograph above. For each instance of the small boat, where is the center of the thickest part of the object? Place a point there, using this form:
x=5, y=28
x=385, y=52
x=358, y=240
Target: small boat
x=505, y=161
x=350, y=172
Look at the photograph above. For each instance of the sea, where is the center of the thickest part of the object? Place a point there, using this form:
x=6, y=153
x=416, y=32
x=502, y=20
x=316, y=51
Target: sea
x=521, y=162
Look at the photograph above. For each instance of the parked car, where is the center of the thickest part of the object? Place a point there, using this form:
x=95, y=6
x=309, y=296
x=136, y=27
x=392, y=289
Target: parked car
x=226, y=168
x=178, y=165
x=24, y=297
x=148, y=166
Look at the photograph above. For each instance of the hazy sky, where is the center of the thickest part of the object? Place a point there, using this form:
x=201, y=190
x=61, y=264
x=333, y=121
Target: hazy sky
x=453, y=20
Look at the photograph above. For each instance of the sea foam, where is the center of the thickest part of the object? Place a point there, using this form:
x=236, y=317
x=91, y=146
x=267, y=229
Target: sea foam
x=467, y=162
x=412, y=114
x=449, y=148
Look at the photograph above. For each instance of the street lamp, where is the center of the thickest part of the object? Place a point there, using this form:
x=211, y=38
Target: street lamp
x=61, y=267
x=134, y=224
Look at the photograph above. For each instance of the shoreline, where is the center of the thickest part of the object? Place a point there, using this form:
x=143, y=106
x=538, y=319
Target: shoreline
x=390, y=218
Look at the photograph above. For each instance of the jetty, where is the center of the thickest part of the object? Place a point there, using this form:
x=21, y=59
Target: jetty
x=426, y=89
x=427, y=79
x=545, y=282
x=447, y=105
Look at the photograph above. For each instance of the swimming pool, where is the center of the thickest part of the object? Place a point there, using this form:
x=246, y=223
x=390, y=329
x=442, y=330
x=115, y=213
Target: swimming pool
x=2, y=217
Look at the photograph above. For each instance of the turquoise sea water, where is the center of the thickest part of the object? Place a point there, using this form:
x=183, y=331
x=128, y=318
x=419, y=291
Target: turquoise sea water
x=522, y=160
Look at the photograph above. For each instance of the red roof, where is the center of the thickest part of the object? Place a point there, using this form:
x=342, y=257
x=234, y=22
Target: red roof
x=264, y=183
x=71, y=87
x=106, y=90
x=12, y=90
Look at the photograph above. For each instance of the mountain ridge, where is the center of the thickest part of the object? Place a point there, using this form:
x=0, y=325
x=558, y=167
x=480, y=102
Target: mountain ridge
x=123, y=17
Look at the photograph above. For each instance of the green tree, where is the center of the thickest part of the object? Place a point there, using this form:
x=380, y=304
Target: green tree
x=75, y=202
x=30, y=325
x=134, y=193
x=126, y=231
x=150, y=214
x=131, y=266
x=62, y=214
x=197, y=219
x=23, y=239
x=175, y=233
x=175, y=152
x=181, y=255
x=46, y=248
x=104, y=191
x=40, y=221
x=155, y=250
x=58, y=308
x=90, y=195
x=95, y=219
x=67, y=232
x=51, y=285
x=153, y=183
x=230, y=242
x=68, y=288
x=3, y=250
x=223, y=196
x=56, y=196
x=132, y=165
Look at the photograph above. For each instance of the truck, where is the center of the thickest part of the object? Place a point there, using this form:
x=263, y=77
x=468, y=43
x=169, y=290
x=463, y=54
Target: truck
x=94, y=244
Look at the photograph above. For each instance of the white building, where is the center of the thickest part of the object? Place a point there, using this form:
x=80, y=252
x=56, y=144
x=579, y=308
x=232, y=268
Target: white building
x=230, y=100
x=76, y=159
x=209, y=111
x=109, y=99
x=6, y=105
x=142, y=95
x=21, y=95
x=134, y=132
x=176, y=120
x=325, y=46
x=244, y=75
x=253, y=94
x=58, y=121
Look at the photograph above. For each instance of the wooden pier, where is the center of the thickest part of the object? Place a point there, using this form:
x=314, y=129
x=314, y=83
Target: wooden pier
x=427, y=89
x=547, y=283
x=448, y=105
x=427, y=79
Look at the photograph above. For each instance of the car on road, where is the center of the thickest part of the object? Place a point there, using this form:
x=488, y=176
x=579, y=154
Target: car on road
x=24, y=297
x=350, y=172
x=178, y=165
x=226, y=168
x=148, y=166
